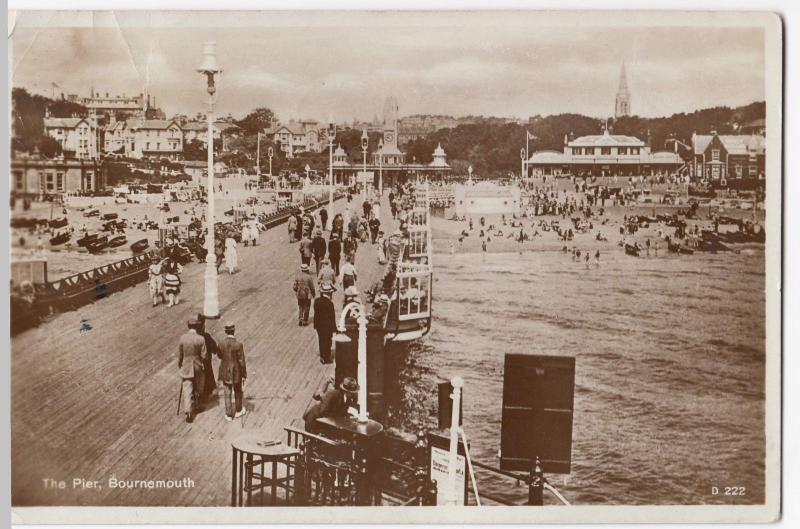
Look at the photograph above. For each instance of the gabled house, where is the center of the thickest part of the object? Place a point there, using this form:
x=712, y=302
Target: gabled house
x=721, y=157
x=77, y=136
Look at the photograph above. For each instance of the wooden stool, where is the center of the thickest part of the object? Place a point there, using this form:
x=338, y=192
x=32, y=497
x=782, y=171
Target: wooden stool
x=253, y=452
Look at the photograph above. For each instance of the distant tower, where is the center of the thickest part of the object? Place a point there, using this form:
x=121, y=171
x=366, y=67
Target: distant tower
x=390, y=112
x=623, y=102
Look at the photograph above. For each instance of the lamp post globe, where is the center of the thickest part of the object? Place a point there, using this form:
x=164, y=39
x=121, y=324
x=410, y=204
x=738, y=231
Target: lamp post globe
x=209, y=68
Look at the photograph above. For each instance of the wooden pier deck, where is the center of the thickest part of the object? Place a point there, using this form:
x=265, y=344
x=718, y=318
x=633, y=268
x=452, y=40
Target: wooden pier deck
x=102, y=404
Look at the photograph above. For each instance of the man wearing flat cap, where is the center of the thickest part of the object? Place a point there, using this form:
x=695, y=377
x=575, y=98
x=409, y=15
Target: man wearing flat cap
x=325, y=321
x=191, y=356
x=334, y=403
x=232, y=372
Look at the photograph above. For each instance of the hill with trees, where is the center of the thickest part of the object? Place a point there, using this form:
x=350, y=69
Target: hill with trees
x=27, y=117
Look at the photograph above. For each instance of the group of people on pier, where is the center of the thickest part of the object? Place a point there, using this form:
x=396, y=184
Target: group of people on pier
x=329, y=246
x=198, y=385
x=334, y=261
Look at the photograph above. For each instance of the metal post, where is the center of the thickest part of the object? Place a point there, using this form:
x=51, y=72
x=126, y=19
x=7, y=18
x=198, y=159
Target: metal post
x=330, y=171
x=258, y=157
x=450, y=494
x=380, y=169
x=536, y=484
x=211, y=301
x=362, y=366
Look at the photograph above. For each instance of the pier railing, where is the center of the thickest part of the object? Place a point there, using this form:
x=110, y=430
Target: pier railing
x=330, y=472
x=79, y=289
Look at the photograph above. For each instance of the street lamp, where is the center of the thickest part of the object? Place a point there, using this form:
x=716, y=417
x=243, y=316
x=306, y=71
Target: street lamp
x=270, y=152
x=522, y=174
x=258, y=157
x=210, y=68
x=331, y=137
x=361, y=317
x=364, y=144
x=380, y=168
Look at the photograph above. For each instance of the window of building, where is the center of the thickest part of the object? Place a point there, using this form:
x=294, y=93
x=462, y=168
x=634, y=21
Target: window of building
x=714, y=155
x=19, y=181
x=49, y=182
x=739, y=171
x=158, y=146
x=147, y=146
x=634, y=150
x=622, y=150
x=605, y=150
x=577, y=150
x=752, y=170
x=60, y=181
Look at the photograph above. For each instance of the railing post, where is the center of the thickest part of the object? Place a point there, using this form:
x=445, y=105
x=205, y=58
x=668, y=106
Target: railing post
x=430, y=494
x=363, y=487
x=536, y=484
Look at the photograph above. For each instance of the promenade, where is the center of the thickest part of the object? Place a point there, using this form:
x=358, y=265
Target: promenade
x=102, y=404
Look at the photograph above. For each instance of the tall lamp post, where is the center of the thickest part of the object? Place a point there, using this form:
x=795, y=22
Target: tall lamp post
x=258, y=157
x=522, y=173
x=270, y=153
x=361, y=318
x=210, y=68
x=380, y=169
x=331, y=137
x=364, y=145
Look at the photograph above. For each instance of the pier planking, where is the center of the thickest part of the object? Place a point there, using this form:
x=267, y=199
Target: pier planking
x=117, y=384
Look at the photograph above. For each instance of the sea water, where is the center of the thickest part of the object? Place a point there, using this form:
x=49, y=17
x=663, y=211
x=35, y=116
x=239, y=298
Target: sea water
x=669, y=383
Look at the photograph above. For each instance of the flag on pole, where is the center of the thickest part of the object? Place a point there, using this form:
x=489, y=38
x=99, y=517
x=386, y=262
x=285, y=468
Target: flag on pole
x=531, y=136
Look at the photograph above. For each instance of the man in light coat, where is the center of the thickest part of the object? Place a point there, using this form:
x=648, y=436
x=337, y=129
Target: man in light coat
x=191, y=357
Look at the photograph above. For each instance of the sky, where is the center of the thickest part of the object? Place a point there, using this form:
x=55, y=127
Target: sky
x=346, y=72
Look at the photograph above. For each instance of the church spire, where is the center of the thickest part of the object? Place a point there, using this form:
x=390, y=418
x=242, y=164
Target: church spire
x=622, y=106
x=623, y=80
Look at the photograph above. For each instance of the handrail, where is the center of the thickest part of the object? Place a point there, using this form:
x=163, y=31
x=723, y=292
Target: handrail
x=304, y=433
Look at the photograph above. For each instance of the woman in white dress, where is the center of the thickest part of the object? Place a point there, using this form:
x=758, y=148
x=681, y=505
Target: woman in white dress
x=155, y=281
x=231, y=259
x=381, y=243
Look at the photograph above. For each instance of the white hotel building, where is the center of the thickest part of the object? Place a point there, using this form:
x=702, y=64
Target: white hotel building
x=603, y=155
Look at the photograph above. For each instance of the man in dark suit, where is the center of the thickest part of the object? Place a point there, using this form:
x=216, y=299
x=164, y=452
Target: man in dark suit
x=191, y=356
x=334, y=403
x=209, y=383
x=318, y=247
x=335, y=252
x=325, y=322
x=232, y=372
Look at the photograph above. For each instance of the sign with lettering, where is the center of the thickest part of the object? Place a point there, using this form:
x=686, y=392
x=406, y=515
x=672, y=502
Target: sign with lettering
x=439, y=449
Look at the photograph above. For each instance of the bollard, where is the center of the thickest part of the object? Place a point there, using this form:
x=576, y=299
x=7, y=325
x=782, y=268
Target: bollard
x=536, y=484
